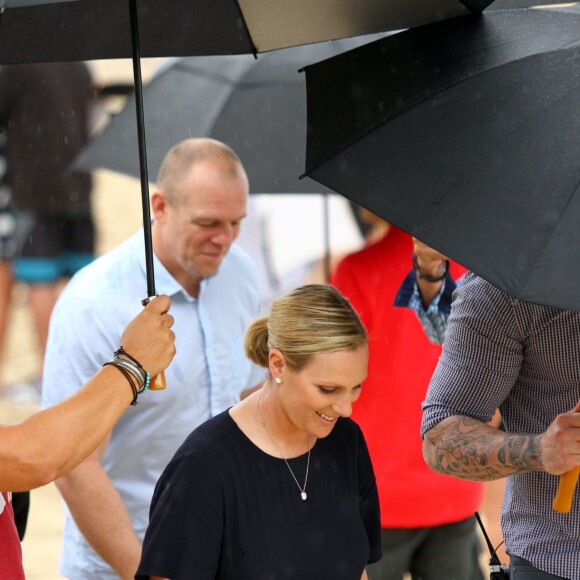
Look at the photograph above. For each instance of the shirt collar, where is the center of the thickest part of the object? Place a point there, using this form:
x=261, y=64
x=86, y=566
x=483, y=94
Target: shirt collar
x=165, y=283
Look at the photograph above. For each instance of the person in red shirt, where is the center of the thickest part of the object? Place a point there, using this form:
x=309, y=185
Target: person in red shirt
x=428, y=528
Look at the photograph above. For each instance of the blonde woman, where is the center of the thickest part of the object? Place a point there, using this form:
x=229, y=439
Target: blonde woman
x=280, y=485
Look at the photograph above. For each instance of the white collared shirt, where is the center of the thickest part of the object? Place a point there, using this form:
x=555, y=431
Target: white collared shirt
x=206, y=376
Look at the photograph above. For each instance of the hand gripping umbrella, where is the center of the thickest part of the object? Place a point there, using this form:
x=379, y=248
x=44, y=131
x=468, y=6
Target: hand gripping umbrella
x=466, y=134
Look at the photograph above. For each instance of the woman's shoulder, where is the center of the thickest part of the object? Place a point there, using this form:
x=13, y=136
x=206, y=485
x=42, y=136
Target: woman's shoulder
x=209, y=440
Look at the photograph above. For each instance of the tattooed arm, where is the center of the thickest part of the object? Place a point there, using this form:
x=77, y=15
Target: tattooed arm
x=468, y=449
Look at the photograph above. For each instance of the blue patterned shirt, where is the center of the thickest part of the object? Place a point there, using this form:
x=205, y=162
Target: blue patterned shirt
x=434, y=317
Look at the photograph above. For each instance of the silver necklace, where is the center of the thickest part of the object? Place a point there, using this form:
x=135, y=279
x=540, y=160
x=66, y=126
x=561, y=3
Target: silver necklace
x=303, y=494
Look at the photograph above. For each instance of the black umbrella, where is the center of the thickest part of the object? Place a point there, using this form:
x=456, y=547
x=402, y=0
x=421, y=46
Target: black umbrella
x=466, y=134
x=257, y=106
x=58, y=30
x=61, y=30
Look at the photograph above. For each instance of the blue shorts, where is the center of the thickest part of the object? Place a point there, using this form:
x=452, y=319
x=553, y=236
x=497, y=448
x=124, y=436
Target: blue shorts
x=53, y=247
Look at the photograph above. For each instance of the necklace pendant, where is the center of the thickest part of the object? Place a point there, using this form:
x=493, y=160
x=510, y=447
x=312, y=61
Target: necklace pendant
x=303, y=495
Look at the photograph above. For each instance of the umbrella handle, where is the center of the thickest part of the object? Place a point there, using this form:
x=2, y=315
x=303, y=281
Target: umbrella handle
x=563, y=499
x=158, y=382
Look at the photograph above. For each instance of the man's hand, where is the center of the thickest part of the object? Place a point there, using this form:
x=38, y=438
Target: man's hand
x=149, y=338
x=560, y=443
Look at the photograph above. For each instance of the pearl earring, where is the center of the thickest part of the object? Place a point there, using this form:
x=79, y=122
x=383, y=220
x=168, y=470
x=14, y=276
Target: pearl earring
x=278, y=380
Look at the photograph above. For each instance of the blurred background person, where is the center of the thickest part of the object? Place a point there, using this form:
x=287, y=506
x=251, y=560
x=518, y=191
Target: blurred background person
x=45, y=111
x=428, y=528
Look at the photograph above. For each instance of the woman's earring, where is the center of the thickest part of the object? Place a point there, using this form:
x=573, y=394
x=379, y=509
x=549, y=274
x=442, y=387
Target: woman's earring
x=278, y=380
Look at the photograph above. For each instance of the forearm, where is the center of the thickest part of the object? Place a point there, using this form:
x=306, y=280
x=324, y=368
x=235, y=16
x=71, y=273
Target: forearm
x=102, y=518
x=468, y=449
x=75, y=427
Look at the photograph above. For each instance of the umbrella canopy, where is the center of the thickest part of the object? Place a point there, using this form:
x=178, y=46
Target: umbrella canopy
x=62, y=30
x=465, y=133
x=59, y=30
x=257, y=106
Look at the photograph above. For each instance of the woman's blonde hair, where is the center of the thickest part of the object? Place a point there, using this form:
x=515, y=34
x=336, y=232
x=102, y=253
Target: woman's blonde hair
x=310, y=320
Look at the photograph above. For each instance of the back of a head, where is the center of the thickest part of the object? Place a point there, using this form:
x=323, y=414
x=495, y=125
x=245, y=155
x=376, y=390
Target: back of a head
x=183, y=157
x=310, y=320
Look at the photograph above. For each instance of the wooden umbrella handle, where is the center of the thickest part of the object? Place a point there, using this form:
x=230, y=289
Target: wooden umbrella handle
x=158, y=383
x=563, y=499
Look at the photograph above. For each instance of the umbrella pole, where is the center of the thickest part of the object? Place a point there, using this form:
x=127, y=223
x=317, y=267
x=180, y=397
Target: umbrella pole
x=157, y=382
x=326, y=219
x=142, y=149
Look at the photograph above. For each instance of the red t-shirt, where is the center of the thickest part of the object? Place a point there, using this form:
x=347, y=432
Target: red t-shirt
x=10, y=550
x=401, y=362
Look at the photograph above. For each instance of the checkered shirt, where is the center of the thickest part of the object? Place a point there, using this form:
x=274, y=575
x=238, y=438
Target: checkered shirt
x=525, y=359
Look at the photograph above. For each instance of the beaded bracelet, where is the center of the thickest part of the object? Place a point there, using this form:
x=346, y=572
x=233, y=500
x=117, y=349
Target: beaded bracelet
x=132, y=370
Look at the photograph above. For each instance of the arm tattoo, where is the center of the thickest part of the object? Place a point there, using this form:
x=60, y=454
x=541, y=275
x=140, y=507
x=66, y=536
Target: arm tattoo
x=466, y=448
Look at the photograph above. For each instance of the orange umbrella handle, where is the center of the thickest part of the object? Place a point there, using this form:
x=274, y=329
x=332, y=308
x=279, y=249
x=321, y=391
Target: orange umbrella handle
x=563, y=499
x=158, y=383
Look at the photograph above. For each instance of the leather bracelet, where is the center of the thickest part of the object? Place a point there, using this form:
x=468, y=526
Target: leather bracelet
x=428, y=278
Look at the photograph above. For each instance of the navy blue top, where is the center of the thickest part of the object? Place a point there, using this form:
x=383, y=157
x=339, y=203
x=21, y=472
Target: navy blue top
x=224, y=509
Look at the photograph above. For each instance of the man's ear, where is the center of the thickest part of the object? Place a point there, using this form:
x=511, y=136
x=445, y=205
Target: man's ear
x=159, y=205
x=276, y=363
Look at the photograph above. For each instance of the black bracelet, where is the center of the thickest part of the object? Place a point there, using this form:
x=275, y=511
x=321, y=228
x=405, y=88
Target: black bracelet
x=426, y=277
x=128, y=377
x=122, y=351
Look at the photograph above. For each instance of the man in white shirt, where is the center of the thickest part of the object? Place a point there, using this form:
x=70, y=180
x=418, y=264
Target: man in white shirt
x=198, y=207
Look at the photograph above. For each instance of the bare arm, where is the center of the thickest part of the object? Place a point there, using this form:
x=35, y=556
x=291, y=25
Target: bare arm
x=56, y=440
x=101, y=516
x=468, y=449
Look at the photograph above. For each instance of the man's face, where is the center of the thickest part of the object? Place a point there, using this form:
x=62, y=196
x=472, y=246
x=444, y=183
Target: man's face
x=196, y=233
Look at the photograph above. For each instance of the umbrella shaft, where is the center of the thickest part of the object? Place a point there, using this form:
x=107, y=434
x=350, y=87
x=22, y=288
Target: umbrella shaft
x=142, y=148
